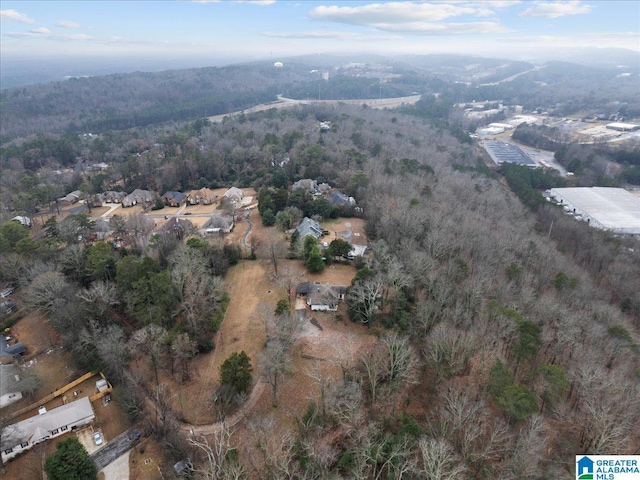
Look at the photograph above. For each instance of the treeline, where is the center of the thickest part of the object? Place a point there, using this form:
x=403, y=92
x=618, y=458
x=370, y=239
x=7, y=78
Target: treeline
x=123, y=100
x=272, y=148
x=527, y=183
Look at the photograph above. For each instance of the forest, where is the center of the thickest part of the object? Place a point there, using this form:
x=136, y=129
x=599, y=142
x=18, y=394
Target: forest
x=505, y=335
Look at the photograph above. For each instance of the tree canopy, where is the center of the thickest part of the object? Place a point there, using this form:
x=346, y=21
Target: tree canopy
x=70, y=462
x=236, y=372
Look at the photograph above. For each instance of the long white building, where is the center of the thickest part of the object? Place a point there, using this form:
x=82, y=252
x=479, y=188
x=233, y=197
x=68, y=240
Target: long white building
x=612, y=209
x=23, y=435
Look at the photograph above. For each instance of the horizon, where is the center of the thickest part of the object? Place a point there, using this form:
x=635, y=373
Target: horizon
x=270, y=29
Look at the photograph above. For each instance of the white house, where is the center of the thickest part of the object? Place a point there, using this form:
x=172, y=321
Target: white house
x=23, y=435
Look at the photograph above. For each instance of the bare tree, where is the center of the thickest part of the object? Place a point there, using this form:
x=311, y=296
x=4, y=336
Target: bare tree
x=402, y=359
x=218, y=463
x=439, y=460
x=101, y=294
x=183, y=350
x=343, y=354
x=375, y=365
x=322, y=382
x=288, y=279
x=138, y=228
x=449, y=349
x=151, y=341
x=162, y=398
x=44, y=291
x=274, y=249
x=276, y=364
x=363, y=299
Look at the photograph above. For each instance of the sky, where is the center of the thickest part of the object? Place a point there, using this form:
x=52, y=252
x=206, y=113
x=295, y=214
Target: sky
x=274, y=29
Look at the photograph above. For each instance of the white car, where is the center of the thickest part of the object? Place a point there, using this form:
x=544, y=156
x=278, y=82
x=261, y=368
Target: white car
x=97, y=438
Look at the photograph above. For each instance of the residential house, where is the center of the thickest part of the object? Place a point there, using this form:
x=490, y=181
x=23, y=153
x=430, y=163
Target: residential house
x=71, y=198
x=306, y=184
x=204, y=196
x=102, y=228
x=23, y=435
x=174, y=199
x=114, y=197
x=340, y=199
x=357, y=251
x=9, y=352
x=218, y=224
x=24, y=221
x=324, y=188
x=143, y=197
x=96, y=200
x=10, y=390
x=322, y=297
x=234, y=194
x=179, y=227
x=309, y=227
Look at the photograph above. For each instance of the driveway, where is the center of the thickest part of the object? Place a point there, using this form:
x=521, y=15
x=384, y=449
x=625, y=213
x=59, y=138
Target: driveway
x=118, y=469
x=115, y=448
x=86, y=438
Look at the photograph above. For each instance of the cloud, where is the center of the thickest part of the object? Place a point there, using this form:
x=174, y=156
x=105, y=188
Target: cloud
x=262, y=3
x=376, y=13
x=15, y=16
x=325, y=35
x=41, y=31
x=413, y=18
x=45, y=33
x=67, y=24
x=557, y=9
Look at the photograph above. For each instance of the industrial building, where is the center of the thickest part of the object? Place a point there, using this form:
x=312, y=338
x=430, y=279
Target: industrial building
x=623, y=127
x=501, y=152
x=612, y=209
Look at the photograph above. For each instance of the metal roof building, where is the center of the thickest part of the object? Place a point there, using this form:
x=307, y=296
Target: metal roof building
x=23, y=435
x=612, y=209
x=501, y=152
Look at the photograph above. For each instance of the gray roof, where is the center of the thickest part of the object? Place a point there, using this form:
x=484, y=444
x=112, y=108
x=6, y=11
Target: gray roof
x=219, y=221
x=234, y=193
x=309, y=227
x=11, y=350
x=305, y=183
x=39, y=427
x=8, y=382
x=613, y=209
x=338, y=198
x=325, y=295
x=177, y=196
x=501, y=152
x=321, y=294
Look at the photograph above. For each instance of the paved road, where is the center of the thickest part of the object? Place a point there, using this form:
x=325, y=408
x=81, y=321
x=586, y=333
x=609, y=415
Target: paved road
x=115, y=448
x=283, y=102
x=118, y=469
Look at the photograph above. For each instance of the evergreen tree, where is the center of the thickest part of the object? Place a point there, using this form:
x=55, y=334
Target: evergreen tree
x=70, y=462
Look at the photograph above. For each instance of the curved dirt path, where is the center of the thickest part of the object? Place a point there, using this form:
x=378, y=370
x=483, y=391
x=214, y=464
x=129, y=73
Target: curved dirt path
x=246, y=234
x=231, y=420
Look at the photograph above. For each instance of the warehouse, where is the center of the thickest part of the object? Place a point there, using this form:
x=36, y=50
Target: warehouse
x=501, y=152
x=612, y=209
x=623, y=127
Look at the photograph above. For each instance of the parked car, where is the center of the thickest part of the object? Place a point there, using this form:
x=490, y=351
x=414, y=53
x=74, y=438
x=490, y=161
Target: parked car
x=98, y=438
